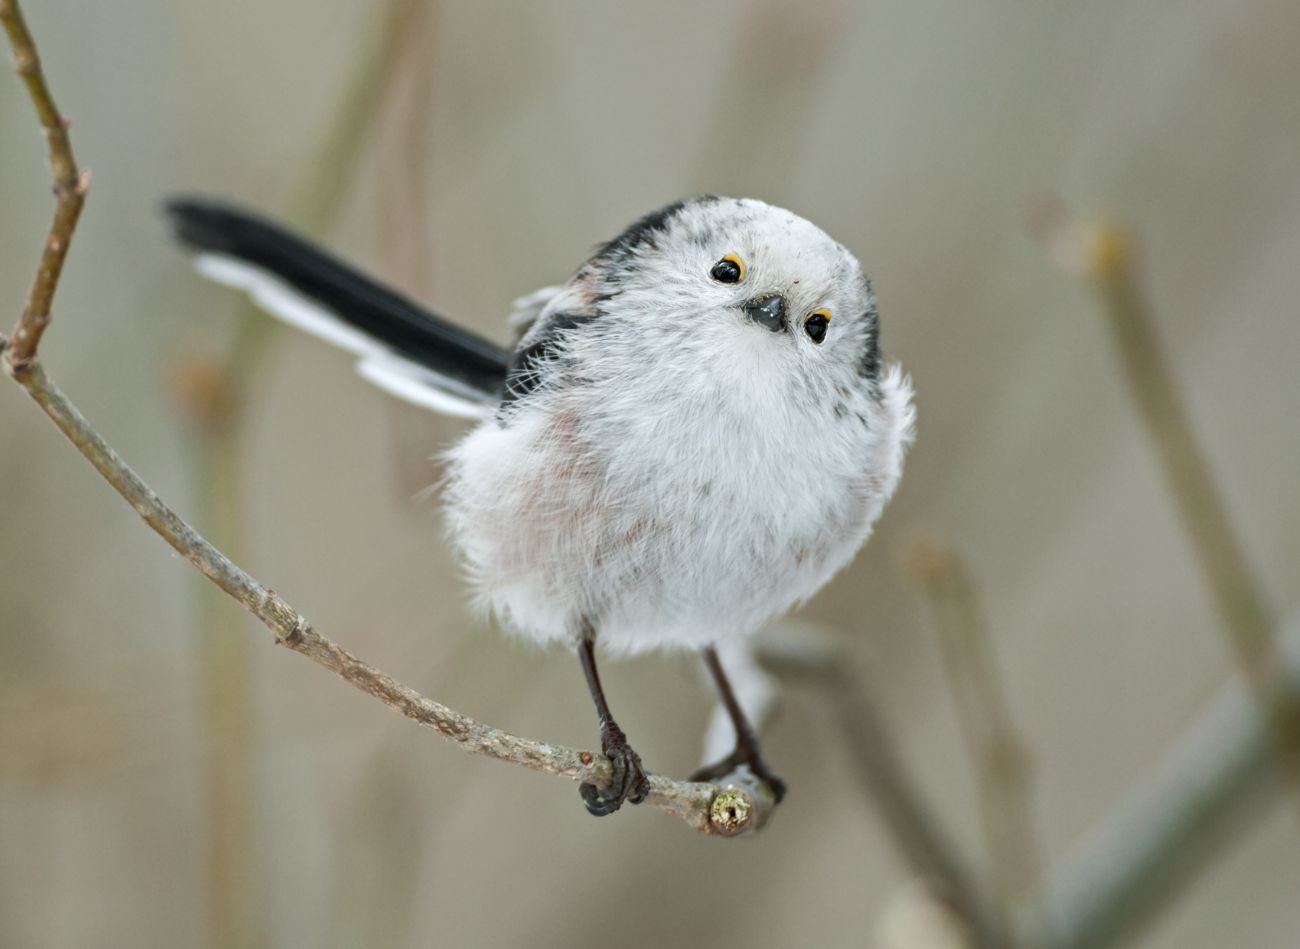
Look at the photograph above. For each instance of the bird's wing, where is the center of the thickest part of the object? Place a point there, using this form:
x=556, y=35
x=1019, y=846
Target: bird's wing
x=541, y=351
x=402, y=347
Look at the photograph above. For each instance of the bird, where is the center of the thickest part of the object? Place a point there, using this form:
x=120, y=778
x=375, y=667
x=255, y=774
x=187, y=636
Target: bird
x=688, y=438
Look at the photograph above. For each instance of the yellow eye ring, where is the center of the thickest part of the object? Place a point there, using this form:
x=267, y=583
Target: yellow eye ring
x=730, y=269
x=815, y=324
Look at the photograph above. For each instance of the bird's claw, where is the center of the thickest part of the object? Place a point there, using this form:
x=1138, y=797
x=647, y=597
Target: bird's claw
x=628, y=781
x=749, y=758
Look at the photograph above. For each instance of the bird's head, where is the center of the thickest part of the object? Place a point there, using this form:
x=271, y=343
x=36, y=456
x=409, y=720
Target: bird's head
x=727, y=276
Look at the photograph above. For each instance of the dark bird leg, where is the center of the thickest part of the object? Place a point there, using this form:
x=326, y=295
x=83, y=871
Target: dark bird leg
x=629, y=782
x=747, y=751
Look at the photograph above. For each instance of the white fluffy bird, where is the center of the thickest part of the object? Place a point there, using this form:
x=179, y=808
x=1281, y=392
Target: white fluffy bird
x=690, y=437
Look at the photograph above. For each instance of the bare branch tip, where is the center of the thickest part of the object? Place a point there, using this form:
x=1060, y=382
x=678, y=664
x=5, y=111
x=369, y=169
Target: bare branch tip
x=1108, y=252
x=203, y=389
x=730, y=812
x=926, y=559
x=1096, y=249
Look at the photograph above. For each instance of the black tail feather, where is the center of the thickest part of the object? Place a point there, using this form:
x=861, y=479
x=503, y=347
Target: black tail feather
x=409, y=330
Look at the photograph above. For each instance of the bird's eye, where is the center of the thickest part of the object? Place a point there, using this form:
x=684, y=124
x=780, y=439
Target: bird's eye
x=815, y=325
x=728, y=270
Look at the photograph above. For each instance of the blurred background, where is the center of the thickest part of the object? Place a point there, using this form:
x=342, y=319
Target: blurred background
x=168, y=777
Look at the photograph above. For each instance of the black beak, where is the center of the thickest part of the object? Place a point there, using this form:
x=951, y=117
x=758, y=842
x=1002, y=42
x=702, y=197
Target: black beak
x=769, y=312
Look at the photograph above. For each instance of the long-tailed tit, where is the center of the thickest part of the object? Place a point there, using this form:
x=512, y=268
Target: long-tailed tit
x=689, y=437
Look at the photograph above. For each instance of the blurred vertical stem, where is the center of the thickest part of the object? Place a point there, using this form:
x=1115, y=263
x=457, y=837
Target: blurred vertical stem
x=403, y=237
x=1001, y=764
x=1107, y=259
x=914, y=829
x=222, y=399
x=374, y=884
x=766, y=96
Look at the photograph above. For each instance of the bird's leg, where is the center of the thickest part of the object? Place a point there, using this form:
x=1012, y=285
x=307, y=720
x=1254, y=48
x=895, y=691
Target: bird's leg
x=629, y=782
x=747, y=751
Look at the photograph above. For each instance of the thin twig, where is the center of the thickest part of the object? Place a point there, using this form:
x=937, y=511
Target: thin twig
x=738, y=804
x=997, y=751
x=916, y=832
x=1103, y=255
x=70, y=187
x=1214, y=779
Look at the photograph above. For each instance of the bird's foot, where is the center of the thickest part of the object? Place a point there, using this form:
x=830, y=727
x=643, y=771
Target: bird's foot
x=629, y=782
x=748, y=757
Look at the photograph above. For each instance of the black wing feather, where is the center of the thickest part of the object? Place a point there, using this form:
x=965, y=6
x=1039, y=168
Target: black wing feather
x=409, y=329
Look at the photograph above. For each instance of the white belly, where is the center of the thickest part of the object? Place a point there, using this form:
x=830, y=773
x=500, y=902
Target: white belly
x=666, y=531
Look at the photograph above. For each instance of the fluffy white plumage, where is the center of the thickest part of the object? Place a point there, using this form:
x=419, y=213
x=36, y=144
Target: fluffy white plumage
x=663, y=469
x=681, y=475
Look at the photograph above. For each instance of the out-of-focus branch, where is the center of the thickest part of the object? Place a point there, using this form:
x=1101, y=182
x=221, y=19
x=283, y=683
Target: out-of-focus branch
x=914, y=829
x=1103, y=255
x=738, y=804
x=216, y=393
x=779, y=59
x=1172, y=826
x=403, y=162
x=318, y=197
x=70, y=187
x=997, y=751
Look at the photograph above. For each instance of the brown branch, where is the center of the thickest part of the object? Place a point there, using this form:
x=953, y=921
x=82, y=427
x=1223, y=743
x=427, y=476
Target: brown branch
x=736, y=805
x=70, y=187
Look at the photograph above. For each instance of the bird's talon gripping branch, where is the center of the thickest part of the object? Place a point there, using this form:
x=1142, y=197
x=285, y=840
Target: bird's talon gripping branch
x=748, y=758
x=628, y=781
x=746, y=753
